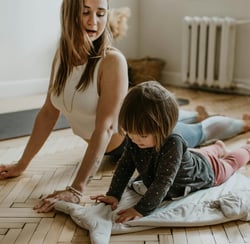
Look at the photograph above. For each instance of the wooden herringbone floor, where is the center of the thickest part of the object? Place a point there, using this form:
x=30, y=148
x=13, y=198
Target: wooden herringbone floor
x=55, y=166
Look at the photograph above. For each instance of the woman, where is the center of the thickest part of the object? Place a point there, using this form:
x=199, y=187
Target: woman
x=88, y=83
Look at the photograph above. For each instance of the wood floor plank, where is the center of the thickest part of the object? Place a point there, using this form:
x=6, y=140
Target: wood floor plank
x=3, y=231
x=206, y=235
x=22, y=213
x=15, y=225
x=179, y=235
x=26, y=233
x=193, y=236
x=14, y=193
x=55, y=230
x=233, y=233
x=68, y=231
x=28, y=189
x=144, y=235
x=219, y=234
x=11, y=236
x=125, y=242
x=6, y=189
x=244, y=228
x=20, y=220
x=41, y=231
x=166, y=239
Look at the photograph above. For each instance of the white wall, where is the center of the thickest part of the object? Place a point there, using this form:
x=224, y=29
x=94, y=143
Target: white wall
x=129, y=44
x=29, y=30
x=161, y=27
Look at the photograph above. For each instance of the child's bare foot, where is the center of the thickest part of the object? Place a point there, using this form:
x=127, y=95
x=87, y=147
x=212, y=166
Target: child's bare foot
x=223, y=147
x=246, y=120
x=202, y=113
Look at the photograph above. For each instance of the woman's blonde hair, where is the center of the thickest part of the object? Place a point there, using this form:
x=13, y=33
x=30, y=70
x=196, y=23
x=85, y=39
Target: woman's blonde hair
x=149, y=108
x=74, y=46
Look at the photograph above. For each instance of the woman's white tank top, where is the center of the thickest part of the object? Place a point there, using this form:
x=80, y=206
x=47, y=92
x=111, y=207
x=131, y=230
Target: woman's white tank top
x=79, y=107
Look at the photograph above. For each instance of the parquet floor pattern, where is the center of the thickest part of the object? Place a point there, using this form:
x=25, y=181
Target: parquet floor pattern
x=54, y=168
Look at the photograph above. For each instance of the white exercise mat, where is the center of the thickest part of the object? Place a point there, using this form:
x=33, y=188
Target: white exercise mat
x=228, y=202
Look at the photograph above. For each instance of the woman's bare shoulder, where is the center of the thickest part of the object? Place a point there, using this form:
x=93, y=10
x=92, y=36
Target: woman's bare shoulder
x=114, y=69
x=114, y=55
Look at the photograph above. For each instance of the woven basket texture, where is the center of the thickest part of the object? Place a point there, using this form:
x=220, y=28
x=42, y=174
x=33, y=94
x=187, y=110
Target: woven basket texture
x=145, y=69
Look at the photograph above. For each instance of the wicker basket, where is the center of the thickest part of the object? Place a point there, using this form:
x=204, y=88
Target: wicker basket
x=145, y=69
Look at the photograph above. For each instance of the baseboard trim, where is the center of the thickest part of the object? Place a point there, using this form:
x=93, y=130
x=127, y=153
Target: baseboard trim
x=242, y=87
x=17, y=88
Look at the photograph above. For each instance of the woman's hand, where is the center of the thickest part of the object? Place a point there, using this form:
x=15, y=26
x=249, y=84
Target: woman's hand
x=106, y=199
x=12, y=170
x=127, y=214
x=47, y=204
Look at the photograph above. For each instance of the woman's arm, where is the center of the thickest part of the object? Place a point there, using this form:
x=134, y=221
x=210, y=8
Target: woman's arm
x=44, y=123
x=113, y=88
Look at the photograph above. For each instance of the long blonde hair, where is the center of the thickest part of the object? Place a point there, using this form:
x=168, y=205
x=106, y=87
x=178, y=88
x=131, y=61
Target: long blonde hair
x=75, y=46
x=149, y=108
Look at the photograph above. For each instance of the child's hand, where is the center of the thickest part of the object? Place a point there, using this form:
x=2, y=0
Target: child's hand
x=127, y=214
x=106, y=199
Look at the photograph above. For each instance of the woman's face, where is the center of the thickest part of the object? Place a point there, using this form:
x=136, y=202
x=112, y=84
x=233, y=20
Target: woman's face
x=95, y=15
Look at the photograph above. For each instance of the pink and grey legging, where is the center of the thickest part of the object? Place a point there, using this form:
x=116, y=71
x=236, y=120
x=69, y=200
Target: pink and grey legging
x=225, y=165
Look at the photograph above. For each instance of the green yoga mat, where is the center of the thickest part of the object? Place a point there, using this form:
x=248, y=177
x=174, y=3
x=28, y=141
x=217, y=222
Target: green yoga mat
x=17, y=124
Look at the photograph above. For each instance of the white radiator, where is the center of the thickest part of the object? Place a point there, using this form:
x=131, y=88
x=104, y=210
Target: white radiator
x=208, y=51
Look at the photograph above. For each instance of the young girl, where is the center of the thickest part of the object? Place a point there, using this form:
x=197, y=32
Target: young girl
x=166, y=166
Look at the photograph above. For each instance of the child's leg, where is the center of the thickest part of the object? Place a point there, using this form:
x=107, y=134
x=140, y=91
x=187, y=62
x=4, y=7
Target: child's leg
x=238, y=157
x=231, y=162
x=218, y=149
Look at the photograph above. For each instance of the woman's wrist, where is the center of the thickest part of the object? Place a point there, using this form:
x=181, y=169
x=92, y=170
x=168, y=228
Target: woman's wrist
x=20, y=166
x=75, y=192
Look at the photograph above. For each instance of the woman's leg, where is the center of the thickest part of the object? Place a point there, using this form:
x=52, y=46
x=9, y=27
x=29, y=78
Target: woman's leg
x=212, y=128
x=189, y=117
x=193, y=134
x=221, y=127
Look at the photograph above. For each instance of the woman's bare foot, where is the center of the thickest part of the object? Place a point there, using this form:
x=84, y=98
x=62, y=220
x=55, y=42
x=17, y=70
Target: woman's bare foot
x=246, y=120
x=224, y=149
x=202, y=113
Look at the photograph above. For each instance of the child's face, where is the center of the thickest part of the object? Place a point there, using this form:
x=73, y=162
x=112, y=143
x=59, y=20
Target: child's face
x=143, y=141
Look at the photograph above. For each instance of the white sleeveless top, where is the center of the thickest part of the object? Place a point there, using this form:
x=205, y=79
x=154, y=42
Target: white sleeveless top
x=79, y=107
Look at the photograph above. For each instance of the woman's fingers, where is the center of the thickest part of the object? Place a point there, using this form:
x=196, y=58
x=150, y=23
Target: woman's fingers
x=45, y=205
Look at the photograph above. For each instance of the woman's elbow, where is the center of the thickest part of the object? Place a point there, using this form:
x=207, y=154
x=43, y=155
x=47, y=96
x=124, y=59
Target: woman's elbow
x=49, y=114
x=109, y=130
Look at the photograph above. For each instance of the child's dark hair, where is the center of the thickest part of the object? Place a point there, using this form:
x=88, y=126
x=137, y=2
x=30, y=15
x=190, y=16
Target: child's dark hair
x=149, y=108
